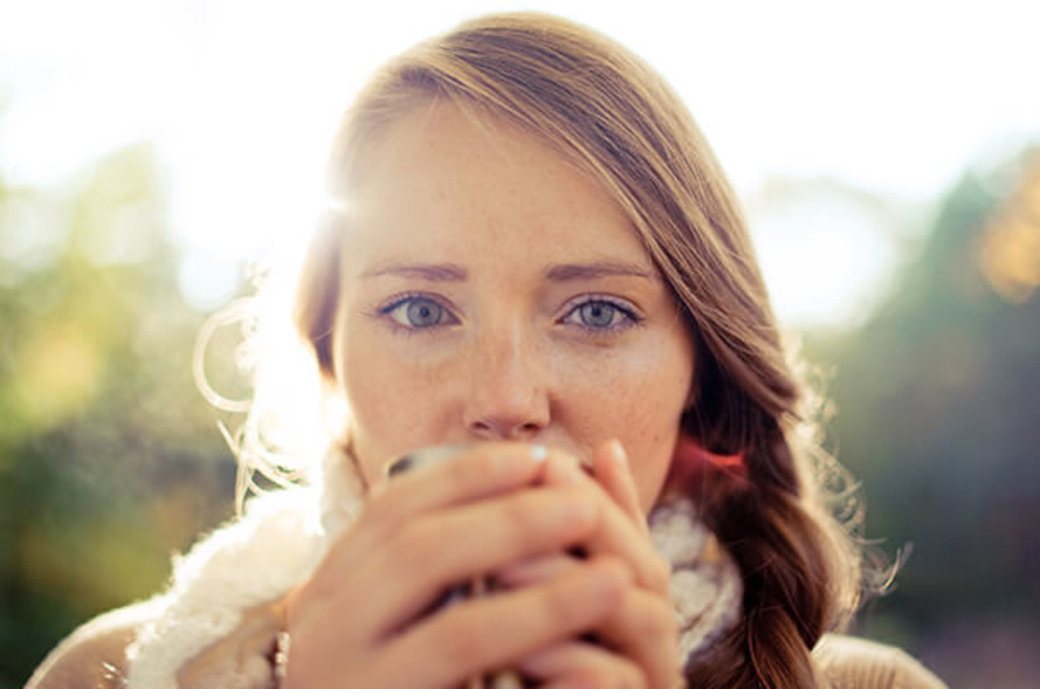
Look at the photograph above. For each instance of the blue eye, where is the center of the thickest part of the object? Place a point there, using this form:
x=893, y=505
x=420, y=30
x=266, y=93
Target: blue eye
x=601, y=315
x=597, y=314
x=417, y=313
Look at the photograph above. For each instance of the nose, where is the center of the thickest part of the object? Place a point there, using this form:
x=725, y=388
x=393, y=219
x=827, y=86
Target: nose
x=507, y=397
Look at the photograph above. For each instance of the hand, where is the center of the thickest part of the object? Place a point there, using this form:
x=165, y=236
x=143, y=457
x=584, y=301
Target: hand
x=353, y=623
x=638, y=640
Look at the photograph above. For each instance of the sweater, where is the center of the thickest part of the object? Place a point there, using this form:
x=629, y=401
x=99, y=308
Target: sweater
x=94, y=657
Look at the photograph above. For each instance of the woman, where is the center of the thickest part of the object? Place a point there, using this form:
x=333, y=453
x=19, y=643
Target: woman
x=533, y=257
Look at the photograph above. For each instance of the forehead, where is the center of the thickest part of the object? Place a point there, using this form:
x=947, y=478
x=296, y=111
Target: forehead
x=445, y=180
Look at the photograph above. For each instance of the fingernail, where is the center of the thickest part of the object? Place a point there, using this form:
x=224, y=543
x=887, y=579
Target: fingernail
x=617, y=453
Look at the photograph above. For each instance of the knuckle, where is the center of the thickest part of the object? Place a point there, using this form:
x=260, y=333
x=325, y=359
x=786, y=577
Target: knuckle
x=481, y=465
x=409, y=550
x=519, y=523
x=570, y=604
x=621, y=674
x=661, y=574
x=531, y=521
x=636, y=679
x=379, y=513
x=629, y=676
x=469, y=468
x=461, y=643
x=657, y=621
x=575, y=510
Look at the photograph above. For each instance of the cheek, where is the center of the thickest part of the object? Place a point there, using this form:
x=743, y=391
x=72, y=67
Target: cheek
x=649, y=419
x=650, y=429
x=388, y=401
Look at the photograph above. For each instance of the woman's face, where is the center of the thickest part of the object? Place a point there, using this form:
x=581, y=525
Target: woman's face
x=493, y=291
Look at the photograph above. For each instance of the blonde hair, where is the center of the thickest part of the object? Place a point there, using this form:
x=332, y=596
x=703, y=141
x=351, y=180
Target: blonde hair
x=604, y=108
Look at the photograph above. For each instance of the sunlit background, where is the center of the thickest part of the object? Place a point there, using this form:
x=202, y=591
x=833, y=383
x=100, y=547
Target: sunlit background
x=885, y=153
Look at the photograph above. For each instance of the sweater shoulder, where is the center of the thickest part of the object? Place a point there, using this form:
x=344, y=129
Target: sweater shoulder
x=848, y=662
x=94, y=655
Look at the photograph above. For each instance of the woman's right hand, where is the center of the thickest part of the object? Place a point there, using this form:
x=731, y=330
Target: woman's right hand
x=353, y=623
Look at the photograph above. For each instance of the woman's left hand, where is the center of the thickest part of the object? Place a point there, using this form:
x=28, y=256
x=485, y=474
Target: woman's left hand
x=637, y=645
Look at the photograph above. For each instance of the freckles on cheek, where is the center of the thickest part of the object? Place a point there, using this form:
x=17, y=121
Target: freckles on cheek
x=633, y=409
x=641, y=402
x=647, y=432
x=376, y=397
x=390, y=399
x=652, y=390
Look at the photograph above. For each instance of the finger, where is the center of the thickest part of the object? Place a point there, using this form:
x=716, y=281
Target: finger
x=580, y=664
x=616, y=534
x=534, y=570
x=611, y=469
x=437, y=551
x=486, y=470
x=643, y=627
x=485, y=634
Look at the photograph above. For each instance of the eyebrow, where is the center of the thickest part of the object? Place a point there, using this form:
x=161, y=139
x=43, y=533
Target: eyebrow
x=431, y=272
x=590, y=271
x=562, y=272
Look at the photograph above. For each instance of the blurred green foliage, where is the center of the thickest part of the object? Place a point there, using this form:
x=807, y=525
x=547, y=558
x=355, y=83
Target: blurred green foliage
x=110, y=460
x=939, y=417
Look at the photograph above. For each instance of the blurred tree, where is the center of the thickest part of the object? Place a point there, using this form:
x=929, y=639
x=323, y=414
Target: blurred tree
x=939, y=417
x=109, y=458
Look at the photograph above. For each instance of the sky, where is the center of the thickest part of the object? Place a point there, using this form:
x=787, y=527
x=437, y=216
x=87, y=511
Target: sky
x=241, y=98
